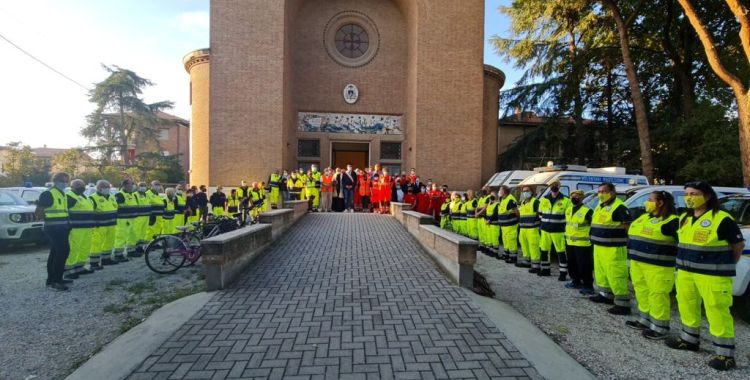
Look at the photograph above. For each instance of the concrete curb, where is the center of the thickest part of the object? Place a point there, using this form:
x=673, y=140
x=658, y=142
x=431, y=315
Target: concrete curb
x=551, y=361
x=123, y=355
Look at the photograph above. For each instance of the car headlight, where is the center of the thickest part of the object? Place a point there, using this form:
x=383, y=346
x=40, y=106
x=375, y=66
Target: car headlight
x=15, y=218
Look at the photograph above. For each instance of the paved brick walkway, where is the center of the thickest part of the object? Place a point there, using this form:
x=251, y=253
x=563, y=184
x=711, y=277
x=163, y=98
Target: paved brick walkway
x=339, y=296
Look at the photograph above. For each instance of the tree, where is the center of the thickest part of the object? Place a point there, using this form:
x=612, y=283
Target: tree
x=739, y=88
x=639, y=106
x=22, y=165
x=71, y=161
x=121, y=118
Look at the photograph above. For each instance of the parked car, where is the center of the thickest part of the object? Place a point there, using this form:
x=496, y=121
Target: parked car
x=29, y=194
x=18, y=224
x=635, y=198
x=739, y=207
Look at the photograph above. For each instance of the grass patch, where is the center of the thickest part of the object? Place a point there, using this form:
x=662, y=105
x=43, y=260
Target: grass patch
x=142, y=287
x=129, y=323
x=114, y=284
x=116, y=309
x=562, y=330
x=158, y=300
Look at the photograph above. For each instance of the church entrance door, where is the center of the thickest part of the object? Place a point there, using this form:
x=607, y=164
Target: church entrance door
x=356, y=154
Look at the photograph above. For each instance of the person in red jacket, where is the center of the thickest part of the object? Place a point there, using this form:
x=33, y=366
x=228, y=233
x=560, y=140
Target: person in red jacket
x=410, y=198
x=386, y=187
x=423, y=200
x=436, y=201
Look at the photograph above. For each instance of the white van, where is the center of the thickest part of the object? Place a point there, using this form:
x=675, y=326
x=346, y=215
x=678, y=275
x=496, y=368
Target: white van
x=508, y=178
x=576, y=177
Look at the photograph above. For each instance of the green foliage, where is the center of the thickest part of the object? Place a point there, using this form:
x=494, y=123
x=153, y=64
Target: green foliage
x=692, y=115
x=122, y=119
x=72, y=161
x=21, y=165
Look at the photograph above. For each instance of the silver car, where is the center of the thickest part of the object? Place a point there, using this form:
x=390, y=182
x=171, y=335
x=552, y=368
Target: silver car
x=18, y=224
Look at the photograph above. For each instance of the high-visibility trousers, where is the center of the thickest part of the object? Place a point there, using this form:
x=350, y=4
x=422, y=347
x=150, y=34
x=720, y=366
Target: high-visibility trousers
x=445, y=222
x=547, y=241
x=471, y=227
x=315, y=195
x=156, y=228
x=217, y=211
x=611, y=273
x=80, y=248
x=122, y=234
x=139, y=230
x=652, y=285
x=457, y=226
x=510, y=240
x=105, y=239
x=303, y=194
x=275, y=198
x=529, y=239
x=179, y=220
x=483, y=232
x=493, y=235
x=193, y=218
x=715, y=293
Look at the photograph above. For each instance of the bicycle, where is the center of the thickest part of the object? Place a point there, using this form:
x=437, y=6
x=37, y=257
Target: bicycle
x=168, y=253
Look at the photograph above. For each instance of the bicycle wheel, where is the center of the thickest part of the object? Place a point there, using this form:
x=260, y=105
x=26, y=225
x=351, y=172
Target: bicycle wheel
x=195, y=249
x=166, y=254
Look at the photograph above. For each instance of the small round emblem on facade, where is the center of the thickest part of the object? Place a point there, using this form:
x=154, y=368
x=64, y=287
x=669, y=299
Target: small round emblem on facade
x=351, y=93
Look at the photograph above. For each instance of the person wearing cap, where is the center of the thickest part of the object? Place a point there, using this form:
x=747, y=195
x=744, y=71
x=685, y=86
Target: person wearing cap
x=609, y=234
x=552, y=209
x=578, y=245
x=710, y=244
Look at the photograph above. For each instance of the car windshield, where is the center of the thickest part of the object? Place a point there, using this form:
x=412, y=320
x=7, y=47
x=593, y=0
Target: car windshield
x=739, y=208
x=8, y=199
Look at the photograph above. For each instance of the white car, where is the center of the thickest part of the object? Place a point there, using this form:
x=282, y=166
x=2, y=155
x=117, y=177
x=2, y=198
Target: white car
x=29, y=194
x=18, y=224
x=739, y=207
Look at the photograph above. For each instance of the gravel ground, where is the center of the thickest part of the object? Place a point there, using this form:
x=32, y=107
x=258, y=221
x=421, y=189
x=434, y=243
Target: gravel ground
x=47, y=334
x=598, y=340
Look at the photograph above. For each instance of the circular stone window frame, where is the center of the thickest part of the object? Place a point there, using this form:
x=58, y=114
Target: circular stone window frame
x=345, y=18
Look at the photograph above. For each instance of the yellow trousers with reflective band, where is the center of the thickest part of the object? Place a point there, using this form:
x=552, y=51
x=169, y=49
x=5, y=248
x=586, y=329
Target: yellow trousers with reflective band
x=471, y=227
x=122, y=234
x=715, y=293
x=218, y=211
x=156, y=228
x=611, y=273
x=458, y=226
x=139, y=230
x=652, y=285
x=493, y=236
x=510, y=240
x=106, y=241
x=80, y=247
x=179, y=220
x=549, y=240
x=529, y=238
x=481, y=228
x=313, y=193
x=275, y=197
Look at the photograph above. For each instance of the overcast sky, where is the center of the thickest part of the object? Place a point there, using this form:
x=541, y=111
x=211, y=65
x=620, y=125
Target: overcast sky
x=150, y=37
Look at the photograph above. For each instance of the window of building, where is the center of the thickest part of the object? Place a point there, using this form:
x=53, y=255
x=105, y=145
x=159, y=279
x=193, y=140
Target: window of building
x=164, y=134
x=352, y=41
x=165, y=153
x=393, y=169
x=308, y=148
x=390, y=150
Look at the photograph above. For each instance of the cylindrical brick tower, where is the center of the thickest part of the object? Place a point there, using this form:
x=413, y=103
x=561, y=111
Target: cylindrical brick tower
x=197, y=65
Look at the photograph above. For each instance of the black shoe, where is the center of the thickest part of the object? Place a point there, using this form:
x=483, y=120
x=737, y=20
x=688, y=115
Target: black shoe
x=601, y=299
x=86, y=271
x=722, y=363
x=66, y=281
x=505, y=257
x=121, y=259
x=637, y=325
x=135, y=254
x=97, y=267
x=544, y=273
x=524, y=264
x=679, y=344
x=562, y=277
x=586, y=291
x=109, y=262
x=573, y=285
x=653, y=335
x=619, y=310
x=57, y=286
x=512, y=260
x=534, y=270
x=72, y=276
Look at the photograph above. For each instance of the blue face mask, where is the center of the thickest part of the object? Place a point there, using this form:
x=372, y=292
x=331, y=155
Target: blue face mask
x=61, y=185
x=142, y=189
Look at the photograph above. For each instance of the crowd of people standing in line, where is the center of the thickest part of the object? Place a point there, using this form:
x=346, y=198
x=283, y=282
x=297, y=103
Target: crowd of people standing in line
x=694, y=253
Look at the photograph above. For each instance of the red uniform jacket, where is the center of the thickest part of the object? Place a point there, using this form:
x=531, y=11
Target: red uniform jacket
x=423, y=203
